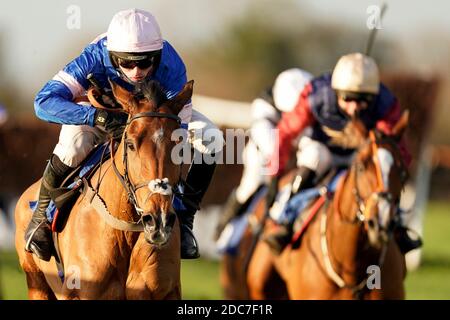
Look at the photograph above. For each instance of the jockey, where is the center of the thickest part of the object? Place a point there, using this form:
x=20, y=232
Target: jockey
x=266, y=113
x=131, y=51
x=328, y=102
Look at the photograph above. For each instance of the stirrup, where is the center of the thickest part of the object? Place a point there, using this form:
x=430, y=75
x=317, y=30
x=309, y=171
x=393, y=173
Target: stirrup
x=32, y=246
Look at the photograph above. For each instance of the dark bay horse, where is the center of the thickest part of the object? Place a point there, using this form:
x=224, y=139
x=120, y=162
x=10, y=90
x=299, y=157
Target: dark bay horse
x=347, y=251
x=132, y=250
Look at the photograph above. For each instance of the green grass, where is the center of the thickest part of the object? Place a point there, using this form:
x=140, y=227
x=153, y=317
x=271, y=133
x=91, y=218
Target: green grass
x=200, y=278
x=432, y=279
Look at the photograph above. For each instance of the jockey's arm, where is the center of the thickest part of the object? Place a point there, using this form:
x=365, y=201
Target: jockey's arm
x=291, y=125
x=54, y=102
x=387, y=123
x=264, y=119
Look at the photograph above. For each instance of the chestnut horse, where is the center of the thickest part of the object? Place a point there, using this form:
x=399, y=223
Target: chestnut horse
x=101, y=260
x=347, y=251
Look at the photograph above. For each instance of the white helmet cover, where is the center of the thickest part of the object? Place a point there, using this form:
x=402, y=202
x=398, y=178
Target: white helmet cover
x=134, y=30
x=288, y=86
x=356, y=72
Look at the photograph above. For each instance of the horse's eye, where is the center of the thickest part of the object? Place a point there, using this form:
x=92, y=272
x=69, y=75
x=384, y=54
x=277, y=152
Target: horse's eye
x=130, y=145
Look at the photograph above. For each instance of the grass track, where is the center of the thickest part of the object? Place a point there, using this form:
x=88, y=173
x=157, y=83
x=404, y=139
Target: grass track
x=200, y=278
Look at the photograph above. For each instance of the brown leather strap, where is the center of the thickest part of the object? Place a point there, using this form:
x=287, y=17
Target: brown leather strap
x=99, y=205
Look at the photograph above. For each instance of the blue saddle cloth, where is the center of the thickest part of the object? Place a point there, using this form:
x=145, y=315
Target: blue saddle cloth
x=301, y=200
x=87, y=166
x=231, y=236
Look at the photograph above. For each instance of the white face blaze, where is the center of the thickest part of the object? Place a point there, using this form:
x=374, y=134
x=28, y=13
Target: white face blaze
x=158, y=136
x=386, y=161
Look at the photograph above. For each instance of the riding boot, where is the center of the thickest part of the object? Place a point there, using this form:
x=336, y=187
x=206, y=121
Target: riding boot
x=233, y=208
x=194, y=188
x=279, y=238
x=38, y=234
x=404, y=241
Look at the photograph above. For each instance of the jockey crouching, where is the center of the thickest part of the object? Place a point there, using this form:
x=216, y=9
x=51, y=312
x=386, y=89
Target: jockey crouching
x=132, y=51
x=266, y=113
x=326, y=105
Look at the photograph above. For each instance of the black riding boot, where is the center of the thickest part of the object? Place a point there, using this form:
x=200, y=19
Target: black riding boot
x=197, y=182
x=38, y=234
x=282, y=235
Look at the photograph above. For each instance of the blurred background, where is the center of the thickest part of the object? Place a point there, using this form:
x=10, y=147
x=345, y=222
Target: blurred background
x=233, y=50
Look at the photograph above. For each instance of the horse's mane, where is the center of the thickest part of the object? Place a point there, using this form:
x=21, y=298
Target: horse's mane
x=152, y=91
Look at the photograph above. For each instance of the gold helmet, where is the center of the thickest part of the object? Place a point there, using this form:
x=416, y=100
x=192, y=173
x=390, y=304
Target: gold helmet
x=356, y=72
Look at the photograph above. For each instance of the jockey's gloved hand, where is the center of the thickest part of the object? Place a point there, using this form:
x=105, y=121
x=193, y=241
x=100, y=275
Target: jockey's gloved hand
x=272, y=191
x=112, y=122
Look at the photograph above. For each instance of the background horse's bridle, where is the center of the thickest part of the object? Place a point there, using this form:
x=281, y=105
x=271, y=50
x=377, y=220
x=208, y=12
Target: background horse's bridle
x=381, y=191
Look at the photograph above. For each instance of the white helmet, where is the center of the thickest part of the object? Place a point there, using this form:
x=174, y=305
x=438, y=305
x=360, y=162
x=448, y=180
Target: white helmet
x=134, y=30
x=356, y=72
x=288, y=86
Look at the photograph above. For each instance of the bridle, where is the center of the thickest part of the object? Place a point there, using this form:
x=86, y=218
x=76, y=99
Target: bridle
x=156, y=186
x=381, y=191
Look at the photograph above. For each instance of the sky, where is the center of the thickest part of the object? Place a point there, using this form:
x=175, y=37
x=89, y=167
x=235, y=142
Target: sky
x=33, y=34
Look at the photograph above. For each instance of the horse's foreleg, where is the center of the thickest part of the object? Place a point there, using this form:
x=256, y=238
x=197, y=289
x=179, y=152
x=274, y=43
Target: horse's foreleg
x=393, y=274
x=38, y=288
x=263, y=280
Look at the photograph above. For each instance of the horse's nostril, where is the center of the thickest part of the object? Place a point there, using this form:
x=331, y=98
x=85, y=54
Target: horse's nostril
x=371, y=223
x=170, y=219
x=148, y=219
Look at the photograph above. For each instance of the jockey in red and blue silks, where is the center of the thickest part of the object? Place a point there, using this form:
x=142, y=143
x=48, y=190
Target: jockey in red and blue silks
x=266, y=111
x=131, y=51
x=326, y=105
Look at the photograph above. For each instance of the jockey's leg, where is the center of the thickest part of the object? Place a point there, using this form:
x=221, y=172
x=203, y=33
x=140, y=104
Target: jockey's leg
x=207, y=141
x=75, y=142
x=38, y=233
x=252, y=179
x=313, y=159
x=402, y=236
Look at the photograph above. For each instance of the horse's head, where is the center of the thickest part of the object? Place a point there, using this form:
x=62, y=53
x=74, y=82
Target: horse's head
x=148, y=172
x=378, y=174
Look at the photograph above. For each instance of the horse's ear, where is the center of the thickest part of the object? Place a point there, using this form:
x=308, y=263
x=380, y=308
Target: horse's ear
x=122, y=95
x=401, y=125
x=177, y=103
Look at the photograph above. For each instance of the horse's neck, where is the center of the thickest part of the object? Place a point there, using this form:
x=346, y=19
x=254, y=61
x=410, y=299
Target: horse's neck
x=345, y=239
x=112, y=192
